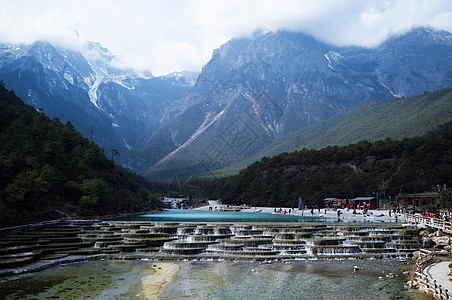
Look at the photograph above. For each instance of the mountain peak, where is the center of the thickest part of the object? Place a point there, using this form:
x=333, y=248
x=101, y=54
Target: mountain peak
x=258, y=89
x=182, y=78
x=99, y=53
x=254, y=90
x=424, y=35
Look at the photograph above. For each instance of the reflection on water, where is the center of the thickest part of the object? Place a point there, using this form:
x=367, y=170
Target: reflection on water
x=333, y=279
x=177, y=215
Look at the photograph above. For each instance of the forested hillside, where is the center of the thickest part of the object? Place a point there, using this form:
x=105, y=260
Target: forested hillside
x=259, y=89
x=411, y=165
x=396, y=119
x=48, y=170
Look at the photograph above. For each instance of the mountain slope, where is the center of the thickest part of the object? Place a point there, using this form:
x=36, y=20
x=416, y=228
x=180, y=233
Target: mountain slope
x=396, y=119
x=116, y=107
x=389, y=167
x=49, y=171
x=254, y=91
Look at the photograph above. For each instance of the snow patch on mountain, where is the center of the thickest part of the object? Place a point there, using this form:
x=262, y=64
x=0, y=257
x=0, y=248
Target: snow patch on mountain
x=120, y=81
x=182, y=78
x=68, y=76
x=332, y=56
x=208, y=121
x=93, y=83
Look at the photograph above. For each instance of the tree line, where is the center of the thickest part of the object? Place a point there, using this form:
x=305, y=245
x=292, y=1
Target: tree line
x=389, y=167
x=45, y=164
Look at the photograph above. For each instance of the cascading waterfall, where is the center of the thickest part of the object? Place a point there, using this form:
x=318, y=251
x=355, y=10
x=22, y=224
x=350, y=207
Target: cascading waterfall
x=215, y=241
x=290, y=241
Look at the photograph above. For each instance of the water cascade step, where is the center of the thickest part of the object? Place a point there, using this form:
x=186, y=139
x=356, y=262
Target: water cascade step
x=178, y=241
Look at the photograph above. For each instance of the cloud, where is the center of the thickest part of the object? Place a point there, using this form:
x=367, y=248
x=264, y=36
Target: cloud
x=167, y=52
x=57, y=26
x=164, y=36
x=340, y=22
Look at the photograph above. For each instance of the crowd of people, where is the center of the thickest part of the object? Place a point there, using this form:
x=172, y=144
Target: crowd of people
x=447, y=217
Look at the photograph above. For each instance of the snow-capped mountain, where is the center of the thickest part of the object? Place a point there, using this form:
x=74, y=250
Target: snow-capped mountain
x=118, y=106
x=259, y=89
x=252, y=92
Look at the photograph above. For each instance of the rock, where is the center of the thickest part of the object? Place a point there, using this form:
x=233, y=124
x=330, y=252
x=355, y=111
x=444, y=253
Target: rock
x=428, y=243
x=441, y=241
x=356, y=268
x=442, y=252
x=450, y=266
x=448, y=248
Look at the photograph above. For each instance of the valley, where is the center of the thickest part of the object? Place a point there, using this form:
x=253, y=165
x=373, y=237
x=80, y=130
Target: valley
x=254, y=93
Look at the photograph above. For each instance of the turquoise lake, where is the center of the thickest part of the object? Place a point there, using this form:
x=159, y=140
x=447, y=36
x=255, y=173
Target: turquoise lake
x=199, y=216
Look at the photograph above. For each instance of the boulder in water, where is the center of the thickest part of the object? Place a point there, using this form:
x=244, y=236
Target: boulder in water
x=428, y=243
x=442, y=252
x=441, y=241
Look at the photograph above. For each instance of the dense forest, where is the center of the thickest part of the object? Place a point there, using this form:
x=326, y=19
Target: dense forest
x=388, y=166
x=48, y=170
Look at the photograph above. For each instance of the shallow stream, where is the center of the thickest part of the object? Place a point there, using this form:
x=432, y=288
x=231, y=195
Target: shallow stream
x=322, y=279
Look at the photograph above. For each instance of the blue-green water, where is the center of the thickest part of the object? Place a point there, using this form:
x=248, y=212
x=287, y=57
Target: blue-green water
x=219, y=280
x=178, y=215
x=199, y=216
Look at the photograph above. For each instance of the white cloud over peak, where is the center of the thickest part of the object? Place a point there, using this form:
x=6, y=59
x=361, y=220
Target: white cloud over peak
x=166, y=36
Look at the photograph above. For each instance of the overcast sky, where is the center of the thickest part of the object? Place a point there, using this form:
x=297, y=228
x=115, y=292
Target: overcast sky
x=164, y=36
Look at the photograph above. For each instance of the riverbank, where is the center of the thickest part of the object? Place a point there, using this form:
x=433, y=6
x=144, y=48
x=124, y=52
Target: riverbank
x=380, y=215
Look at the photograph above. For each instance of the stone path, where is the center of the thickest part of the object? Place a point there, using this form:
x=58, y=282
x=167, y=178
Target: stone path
x=438, y=272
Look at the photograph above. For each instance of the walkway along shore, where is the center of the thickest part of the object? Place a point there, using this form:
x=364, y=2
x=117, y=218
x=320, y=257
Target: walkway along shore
x=380, y=215
x=433, y=270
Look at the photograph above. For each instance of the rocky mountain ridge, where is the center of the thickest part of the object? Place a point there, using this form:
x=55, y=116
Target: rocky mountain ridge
x=252, y=92
x=113, y=106
x=256, y=90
